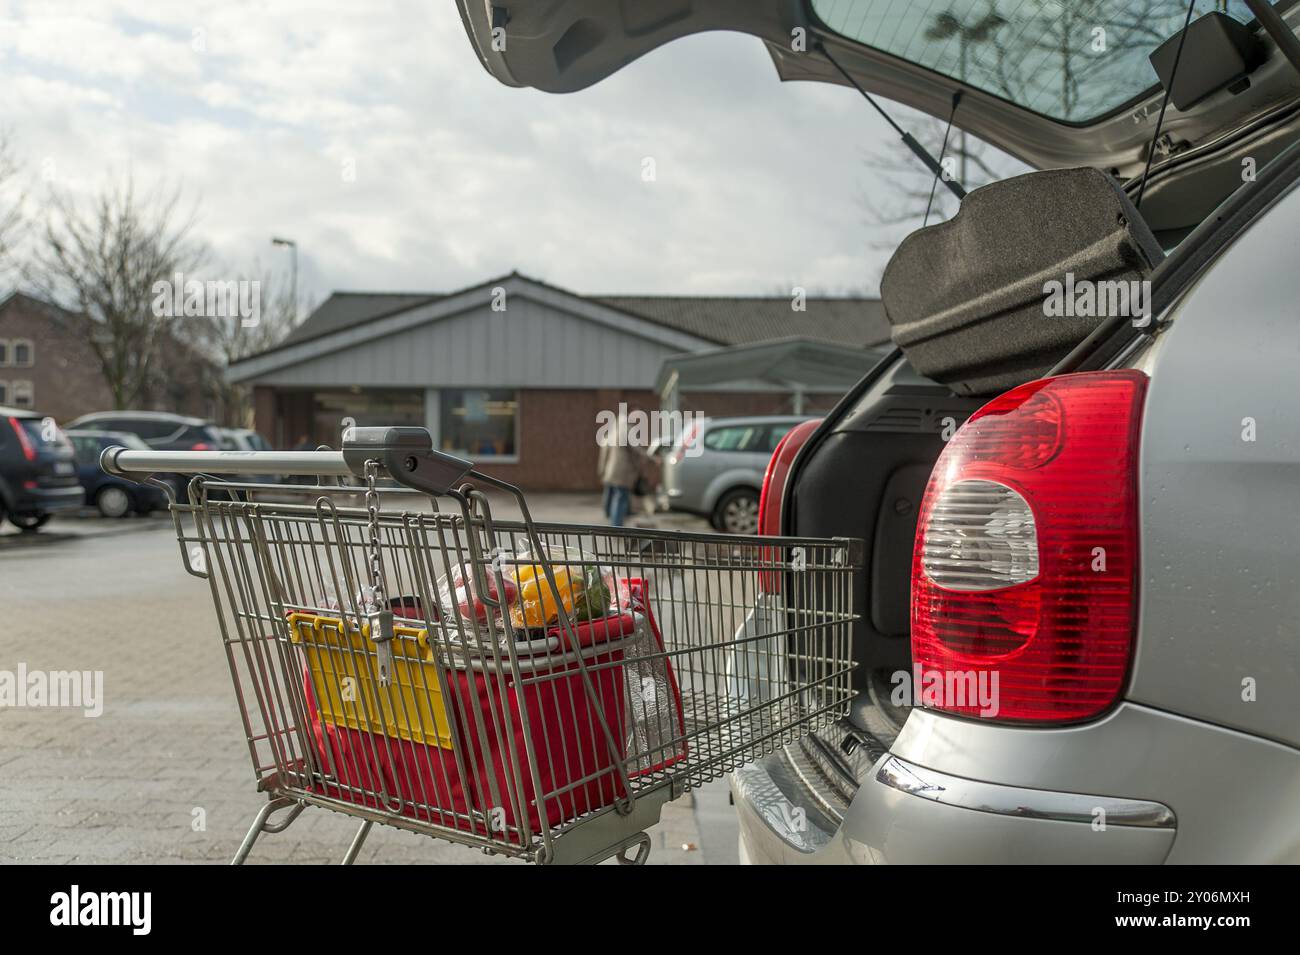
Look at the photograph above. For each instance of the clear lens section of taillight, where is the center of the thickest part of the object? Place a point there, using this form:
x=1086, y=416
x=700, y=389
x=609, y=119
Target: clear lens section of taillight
x=980, y=536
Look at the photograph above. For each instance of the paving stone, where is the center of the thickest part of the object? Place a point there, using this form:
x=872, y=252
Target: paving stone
x=121, y=787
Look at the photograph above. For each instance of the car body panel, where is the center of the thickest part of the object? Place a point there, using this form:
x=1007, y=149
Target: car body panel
x=1219, y=614
x=1223, y=788
x=44, y=485
x=696, y=482
x=89, y=445
x=162, y=431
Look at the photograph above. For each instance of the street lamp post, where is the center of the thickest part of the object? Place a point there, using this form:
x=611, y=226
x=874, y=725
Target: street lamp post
x=293, y=290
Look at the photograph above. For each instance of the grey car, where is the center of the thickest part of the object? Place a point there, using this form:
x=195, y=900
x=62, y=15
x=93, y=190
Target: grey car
x=1099, y=510
x=715, y=469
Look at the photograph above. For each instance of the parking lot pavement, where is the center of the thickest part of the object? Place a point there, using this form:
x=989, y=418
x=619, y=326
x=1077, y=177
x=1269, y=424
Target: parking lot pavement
x=72, y=527
x=163, y=774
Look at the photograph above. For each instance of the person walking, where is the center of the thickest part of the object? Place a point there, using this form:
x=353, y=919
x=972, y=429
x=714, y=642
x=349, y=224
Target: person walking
x=619, y=464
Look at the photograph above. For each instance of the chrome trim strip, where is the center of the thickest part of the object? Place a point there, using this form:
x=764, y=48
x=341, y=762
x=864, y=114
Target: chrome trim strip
x=1016, y=801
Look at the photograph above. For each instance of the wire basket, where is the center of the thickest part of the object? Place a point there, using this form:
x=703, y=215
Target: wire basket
x=391, y=661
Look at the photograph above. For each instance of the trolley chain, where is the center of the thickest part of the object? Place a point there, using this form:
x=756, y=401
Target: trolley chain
x=379, y=612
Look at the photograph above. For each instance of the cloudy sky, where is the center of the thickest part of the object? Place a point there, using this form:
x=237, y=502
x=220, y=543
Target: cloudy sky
x=370, y=134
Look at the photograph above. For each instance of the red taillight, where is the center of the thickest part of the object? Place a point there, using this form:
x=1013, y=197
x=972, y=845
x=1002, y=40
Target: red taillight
x=778, y=469
x=1025, y=567
x=201, y=446
x=29, y=451
x=769, y=499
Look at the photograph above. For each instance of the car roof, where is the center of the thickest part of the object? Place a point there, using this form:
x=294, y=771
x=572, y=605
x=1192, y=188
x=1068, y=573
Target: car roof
x=154, y=415
x=97, y=433
x=8, y=412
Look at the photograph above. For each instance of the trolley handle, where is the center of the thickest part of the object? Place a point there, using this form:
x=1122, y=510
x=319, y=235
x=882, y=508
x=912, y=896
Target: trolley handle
x=129, y=463
x=407, y=454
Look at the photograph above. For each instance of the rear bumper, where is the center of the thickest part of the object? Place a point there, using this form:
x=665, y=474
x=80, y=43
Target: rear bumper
x=49, y=500
x=1141, y=786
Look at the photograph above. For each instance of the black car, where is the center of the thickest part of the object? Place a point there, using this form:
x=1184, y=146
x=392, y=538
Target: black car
x=38, y=473
x=112, y=495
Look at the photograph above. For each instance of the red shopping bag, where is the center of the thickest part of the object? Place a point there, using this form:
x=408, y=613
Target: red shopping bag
x=576, y=767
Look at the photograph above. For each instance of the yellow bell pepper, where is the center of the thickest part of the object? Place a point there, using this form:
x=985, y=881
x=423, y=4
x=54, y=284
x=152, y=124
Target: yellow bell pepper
x=535, y=605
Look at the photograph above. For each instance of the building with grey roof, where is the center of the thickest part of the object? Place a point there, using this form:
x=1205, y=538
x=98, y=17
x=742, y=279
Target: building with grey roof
x=513, y=371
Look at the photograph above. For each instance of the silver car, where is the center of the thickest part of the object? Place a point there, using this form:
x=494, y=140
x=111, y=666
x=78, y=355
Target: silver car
x=1079, y=611
x=715, y=469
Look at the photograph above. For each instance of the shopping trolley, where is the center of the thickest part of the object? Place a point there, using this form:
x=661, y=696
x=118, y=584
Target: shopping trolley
x=390, y=661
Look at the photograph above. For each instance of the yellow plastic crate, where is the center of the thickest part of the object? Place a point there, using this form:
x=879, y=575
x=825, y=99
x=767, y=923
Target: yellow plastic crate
x=411, y=707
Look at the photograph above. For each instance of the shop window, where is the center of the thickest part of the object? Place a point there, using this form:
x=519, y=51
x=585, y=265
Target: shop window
x=363, y=407
x=736, y=438
x=479, y=423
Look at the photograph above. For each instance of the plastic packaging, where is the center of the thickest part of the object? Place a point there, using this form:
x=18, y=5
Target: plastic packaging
x=457, y=593
x=582, y=587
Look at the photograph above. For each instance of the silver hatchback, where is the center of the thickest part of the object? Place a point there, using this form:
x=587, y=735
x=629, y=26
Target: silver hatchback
x=716, y=469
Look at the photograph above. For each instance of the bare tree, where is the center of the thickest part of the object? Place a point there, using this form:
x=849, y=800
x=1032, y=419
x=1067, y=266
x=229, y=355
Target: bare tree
x=1053, y=60
x=233, y=339
x=11, y=202
x=1049, y=60
x=908, y=196
x=103, y=262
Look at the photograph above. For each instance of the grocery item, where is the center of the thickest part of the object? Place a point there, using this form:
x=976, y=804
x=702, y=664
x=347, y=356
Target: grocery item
x=470, y=606
x=581, y=586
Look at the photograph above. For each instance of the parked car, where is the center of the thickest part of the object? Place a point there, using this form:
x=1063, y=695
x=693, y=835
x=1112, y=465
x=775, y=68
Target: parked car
x=715, y=469
x=161, y=431
x=38, y=477
x=112, y=495
x=246, y=439
x=1091, y=514
x=243, y=439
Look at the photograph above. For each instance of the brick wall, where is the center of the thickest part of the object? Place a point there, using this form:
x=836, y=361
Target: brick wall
x=266, y=421
x=65, y=376
x=557, y=429
x=557, y=426
x=557, y=437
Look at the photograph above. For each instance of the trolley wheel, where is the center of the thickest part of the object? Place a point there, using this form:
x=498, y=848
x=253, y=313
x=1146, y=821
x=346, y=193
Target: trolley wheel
x=640, y=842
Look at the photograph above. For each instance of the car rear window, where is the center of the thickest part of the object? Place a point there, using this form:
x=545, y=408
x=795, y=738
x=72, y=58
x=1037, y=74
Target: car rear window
x=748, y=437
x=40, y=434
x=147, y=428
x=774, y=435
x=1070, y=61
